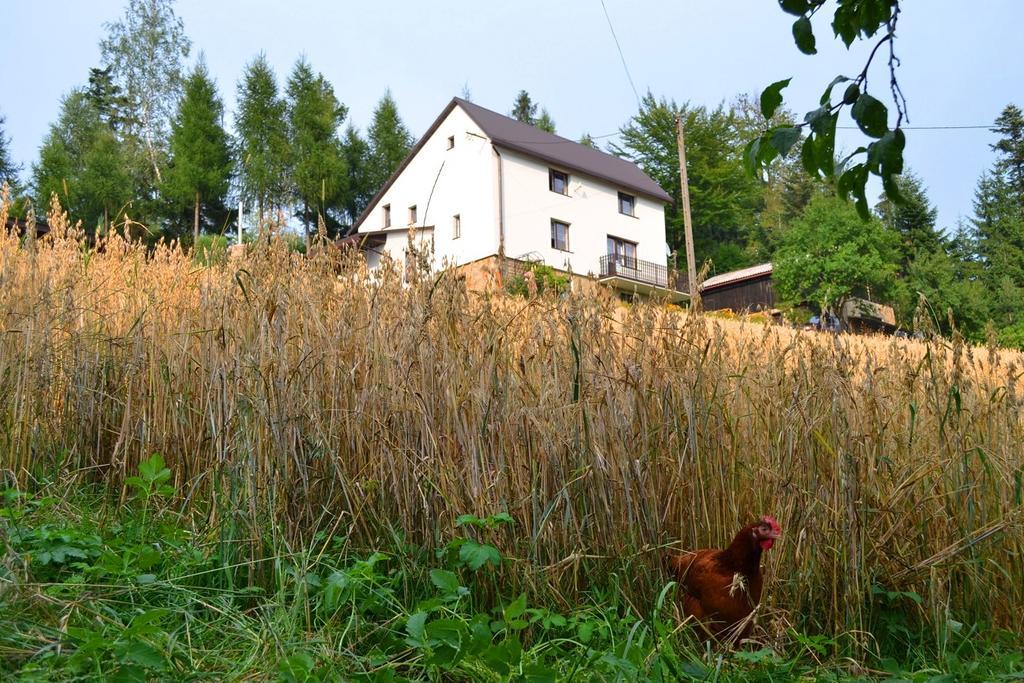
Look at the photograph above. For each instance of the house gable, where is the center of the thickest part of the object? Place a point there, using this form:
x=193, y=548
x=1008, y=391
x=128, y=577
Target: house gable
x=444, y=189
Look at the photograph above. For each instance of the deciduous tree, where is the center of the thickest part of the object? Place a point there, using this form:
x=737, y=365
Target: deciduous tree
x=873, y=20
x=724, y=199
x=829, y=254
x=145, y=51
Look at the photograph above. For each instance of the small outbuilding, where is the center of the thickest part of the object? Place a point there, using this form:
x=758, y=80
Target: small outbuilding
x=746, y=290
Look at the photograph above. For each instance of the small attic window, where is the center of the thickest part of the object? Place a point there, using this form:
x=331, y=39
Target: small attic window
x=451, y=141
x=558, y=181
x=387, y=215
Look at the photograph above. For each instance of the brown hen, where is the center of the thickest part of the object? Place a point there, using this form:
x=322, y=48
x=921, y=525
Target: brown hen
x=721, y=588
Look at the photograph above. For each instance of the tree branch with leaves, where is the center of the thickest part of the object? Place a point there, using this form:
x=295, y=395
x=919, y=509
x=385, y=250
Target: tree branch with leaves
x=883, y=157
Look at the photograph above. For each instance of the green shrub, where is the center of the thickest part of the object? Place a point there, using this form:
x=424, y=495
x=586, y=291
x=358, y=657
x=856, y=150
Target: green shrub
x=1013, y=336
x=547, y=278
x=210, y=250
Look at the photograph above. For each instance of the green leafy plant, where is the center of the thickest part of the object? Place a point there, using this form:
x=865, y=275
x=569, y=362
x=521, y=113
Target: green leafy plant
x=546, y=279
x=151, y=481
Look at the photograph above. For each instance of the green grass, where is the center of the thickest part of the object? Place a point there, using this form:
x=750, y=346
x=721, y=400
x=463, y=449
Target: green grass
x=93, y=588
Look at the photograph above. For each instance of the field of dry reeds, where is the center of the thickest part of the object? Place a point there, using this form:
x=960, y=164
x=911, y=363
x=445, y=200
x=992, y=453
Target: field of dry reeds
x=291, y=394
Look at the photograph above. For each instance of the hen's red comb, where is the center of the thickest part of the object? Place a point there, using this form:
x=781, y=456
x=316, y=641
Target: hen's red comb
x=771, y=522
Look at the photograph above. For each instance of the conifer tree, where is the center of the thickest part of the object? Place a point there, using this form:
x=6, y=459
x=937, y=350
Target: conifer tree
x=200, y=169
x=261, y=128
x=8, y=169
x=110, y=102
x=524, y=108
x=357, y=160
x=83, y=163
x=999, y=210
x=389, y=140
x=1010, y=125
x=913, y=220
x=319, y=173
x=545, y=122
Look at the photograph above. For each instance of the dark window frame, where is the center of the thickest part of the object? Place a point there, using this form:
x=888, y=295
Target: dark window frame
x=451, y=142
x=456, y=226
x=622, y=257
x=566, y=247
x=412, y=214
x=552, y=172
x=387, y=215
x=632, y=204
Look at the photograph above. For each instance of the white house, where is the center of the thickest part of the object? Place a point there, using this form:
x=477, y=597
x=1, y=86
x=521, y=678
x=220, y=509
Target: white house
x=481, y=186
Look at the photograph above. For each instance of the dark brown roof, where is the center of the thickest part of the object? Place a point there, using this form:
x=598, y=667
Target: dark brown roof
x=736, y=276
x=532, y=141
x=521, y=137
x=20, y=226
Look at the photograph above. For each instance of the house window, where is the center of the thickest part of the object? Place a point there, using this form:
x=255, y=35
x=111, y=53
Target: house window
x=627, y=204
x=451, y=141
x=558, y=181
x=456, y=227
x=622, y=252
x=559, y=235
x=387, y=215
x=412, y=215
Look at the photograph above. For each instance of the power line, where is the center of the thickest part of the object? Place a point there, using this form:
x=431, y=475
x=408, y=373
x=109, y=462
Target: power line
x=621, y=56
x=985, y=127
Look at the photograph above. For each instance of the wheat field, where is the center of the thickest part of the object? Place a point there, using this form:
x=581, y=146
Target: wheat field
x=292, y=394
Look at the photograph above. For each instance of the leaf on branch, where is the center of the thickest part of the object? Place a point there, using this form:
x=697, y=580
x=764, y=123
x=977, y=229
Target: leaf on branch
x=826, y=97
x=771, y=98
x=783, y=138
x=803, y=34
x=853, y=181
x=809, y=155
x=851, y=94
x=796, y=7
x=885, y=156
x=892, y=190
x=871, y=115
x=861, y=17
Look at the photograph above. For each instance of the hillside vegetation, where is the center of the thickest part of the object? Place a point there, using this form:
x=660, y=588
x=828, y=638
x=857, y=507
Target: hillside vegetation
x=304, y=410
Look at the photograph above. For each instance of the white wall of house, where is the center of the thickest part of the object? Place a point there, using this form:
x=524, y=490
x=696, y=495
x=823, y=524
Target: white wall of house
x=443, y=183
x=591, y=209
x=464, y=181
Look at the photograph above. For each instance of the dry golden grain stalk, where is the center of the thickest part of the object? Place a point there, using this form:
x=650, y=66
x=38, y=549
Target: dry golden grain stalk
x=296, y=392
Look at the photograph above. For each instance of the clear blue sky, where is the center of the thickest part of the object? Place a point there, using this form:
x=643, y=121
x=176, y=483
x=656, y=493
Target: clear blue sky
x=961, y=62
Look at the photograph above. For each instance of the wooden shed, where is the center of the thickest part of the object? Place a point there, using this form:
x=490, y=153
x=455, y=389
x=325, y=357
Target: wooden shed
x=745, y=290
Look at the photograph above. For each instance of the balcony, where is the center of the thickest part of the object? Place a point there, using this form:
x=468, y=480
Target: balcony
x=635, y=275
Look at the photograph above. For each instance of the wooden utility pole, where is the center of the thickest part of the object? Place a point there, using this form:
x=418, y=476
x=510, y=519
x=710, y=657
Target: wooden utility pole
x=691, y=266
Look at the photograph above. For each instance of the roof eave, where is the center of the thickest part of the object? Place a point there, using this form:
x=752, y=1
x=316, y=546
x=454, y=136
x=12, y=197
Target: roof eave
x=372, y=204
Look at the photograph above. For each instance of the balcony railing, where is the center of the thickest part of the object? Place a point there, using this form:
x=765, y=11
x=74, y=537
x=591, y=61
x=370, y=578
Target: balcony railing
x=638, y=270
